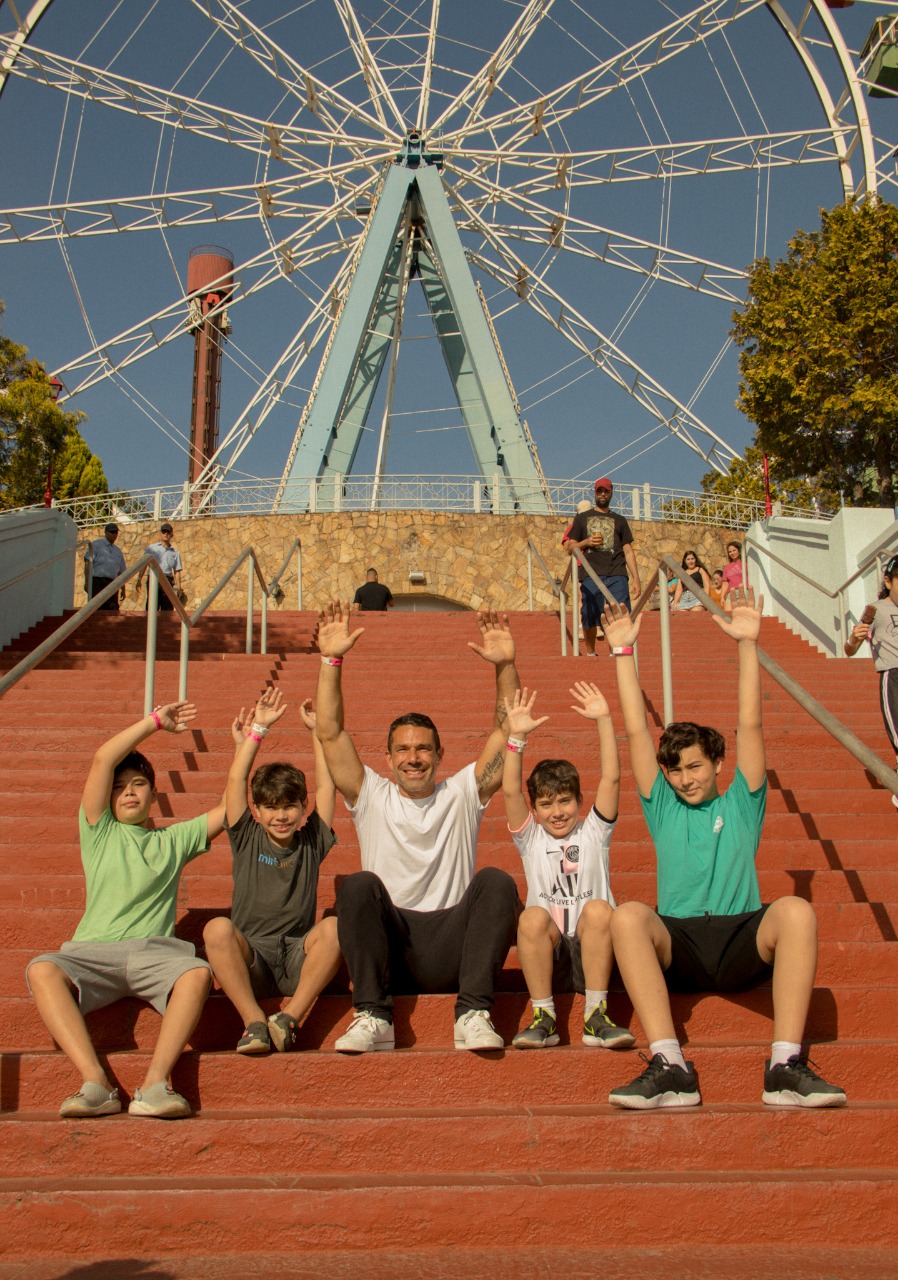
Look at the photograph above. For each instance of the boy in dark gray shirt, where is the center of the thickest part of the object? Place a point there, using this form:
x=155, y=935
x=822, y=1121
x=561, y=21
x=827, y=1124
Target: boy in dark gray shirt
x=271, y=945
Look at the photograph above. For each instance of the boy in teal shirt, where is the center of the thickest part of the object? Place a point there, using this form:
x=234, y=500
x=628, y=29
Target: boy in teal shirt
x=124, y=944
x=710, y=932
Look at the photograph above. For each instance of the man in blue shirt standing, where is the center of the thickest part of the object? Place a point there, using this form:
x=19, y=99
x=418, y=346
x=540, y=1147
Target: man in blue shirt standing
x=169, y=560
x=108, y=562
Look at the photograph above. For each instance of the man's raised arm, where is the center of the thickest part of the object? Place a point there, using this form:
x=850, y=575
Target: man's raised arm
x=496, y=646
x=334, y=642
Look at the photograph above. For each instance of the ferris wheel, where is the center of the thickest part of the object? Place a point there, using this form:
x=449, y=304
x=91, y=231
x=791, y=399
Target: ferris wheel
x=603, y=175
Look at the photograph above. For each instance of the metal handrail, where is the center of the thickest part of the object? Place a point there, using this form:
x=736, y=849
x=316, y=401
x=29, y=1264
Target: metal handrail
x=555, y=586
x=274, y=589
x=45, y=564
x=875, y=558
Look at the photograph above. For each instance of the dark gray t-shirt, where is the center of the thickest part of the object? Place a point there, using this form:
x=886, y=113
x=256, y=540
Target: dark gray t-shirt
x=608, y=560
x=276, y=890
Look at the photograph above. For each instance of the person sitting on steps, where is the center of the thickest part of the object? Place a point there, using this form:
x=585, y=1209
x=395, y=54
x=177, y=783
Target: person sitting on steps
x=710, y=932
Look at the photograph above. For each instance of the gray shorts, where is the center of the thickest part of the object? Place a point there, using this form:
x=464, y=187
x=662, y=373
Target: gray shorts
x=567, y=969
x=103, y=972
x=276, y=965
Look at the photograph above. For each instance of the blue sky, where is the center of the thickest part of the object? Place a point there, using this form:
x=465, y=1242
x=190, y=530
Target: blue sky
x=61, y=297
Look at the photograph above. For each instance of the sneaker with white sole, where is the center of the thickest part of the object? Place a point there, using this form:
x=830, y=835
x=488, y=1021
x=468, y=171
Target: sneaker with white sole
x=541, y=1034
x=600, y=1032
x=662, y=1084
x=160, y=1102
x=475, y=1030
x=367, y=1034
x=91, y=1100
x=794, y=1084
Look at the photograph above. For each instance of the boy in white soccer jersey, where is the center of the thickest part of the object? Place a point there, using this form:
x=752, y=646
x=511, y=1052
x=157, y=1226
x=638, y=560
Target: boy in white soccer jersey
x=564, y=933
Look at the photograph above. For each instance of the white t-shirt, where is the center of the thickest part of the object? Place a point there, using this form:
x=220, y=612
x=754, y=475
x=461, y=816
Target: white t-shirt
x=884, y=635
x=564, y=874
x=423, y=850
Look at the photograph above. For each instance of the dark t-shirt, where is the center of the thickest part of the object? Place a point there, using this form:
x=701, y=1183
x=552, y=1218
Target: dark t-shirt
x=372, y=596
x=607, y=560
x=276, y=890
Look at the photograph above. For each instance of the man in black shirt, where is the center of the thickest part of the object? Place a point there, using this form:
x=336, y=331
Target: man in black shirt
x=372, y=596
x=606, y=543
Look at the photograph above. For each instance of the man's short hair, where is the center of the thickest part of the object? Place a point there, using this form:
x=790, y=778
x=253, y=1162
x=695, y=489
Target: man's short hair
x=137, y=761
x=553, y=778
x=370, y=573
x=685, y=733
x=419, y=721
x=277, y=785
x=111, y=528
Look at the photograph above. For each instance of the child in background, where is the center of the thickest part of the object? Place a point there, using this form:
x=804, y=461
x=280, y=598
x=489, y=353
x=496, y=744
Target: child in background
x=716, y=592
x=879, y=625
x=564, y=933
x=270, y=945
x=124, y=944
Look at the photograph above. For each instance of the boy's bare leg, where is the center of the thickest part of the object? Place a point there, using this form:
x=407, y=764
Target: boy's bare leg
x=322, y=961
x=230, y=956
x=642, y=949
x=787, y=939
x=538, y=936
x=182, y=1013
x=596, y=952
x=54, y=996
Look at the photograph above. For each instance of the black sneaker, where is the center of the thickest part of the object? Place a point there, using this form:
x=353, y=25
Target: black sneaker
x=541, y=1033
x=794, y=1084
x=662, y=1084
x=600, y=1032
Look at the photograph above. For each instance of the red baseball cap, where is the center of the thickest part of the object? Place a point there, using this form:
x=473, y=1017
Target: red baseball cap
x=604, y=483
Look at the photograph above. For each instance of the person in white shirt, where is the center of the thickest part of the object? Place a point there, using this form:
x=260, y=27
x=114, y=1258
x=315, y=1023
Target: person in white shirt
x=107, y=562
x=417, y=918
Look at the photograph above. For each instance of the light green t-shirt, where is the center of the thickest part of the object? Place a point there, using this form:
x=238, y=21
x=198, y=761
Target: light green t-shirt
x=132, y=876
x=706, y=852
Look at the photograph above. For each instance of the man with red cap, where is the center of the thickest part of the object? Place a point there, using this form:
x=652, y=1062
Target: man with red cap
x=604, y=540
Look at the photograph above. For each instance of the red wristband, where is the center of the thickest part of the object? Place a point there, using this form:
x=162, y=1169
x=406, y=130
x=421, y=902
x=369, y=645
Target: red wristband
x=332, y=662
x=156, y=718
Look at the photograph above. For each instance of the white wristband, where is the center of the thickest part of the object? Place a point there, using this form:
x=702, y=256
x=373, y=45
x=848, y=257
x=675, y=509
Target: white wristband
x=260, y=729
x=517, y=744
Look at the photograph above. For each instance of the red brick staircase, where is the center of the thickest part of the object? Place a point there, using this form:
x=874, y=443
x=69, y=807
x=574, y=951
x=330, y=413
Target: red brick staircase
x=432, y=1162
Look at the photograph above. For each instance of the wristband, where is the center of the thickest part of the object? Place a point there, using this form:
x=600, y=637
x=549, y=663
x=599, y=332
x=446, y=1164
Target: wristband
x=156, y=718
x=625, y=651
x=255, y=736
x=516, y=744
x=259, y=730
x=332, y=662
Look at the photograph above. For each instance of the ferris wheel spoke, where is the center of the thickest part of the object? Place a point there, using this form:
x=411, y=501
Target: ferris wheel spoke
x=483, y=84
x=378, y=89
x=525, y=120
x=322, y=100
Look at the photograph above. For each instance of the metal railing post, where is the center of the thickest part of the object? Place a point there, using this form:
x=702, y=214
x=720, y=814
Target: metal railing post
x=299, y=577
x=575, y=611
x=250, y=582
x=666, y=674
x=263, y=639
x=149, y=685
x=184, y=659
x=562, y=610
x=529, y=578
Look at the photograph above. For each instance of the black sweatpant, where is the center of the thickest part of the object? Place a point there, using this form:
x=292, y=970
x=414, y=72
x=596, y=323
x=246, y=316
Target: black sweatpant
x=390, y=950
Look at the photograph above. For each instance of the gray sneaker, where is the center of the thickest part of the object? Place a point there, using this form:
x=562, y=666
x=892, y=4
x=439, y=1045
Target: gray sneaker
x=600, y=1032
x=159, y=1101
x=541, y=1033
x=91, y=1100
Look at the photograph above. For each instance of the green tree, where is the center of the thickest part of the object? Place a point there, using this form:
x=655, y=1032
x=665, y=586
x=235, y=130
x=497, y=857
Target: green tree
x=745, y=479
x=819, y=363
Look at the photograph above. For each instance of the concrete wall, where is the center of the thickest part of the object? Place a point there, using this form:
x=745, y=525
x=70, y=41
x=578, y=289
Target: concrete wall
x=471, y=560
x=829, y=553
x=29, y=539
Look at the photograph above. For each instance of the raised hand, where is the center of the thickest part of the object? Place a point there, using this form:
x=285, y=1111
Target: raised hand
x=333, y=634
x=270, y=707
x=520, y=713
x=496, y=641
x=620, y=629
x=175, y=717
x=240, y=725
x=743, y=620
x=592, y=702
x=307, y=715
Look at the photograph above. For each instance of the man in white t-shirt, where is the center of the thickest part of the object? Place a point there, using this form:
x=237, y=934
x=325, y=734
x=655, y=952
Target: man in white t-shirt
x=417, y=918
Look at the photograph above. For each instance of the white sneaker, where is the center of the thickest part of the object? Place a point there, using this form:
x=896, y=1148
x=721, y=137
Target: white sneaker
x=475, y=1030
x=367, y=1033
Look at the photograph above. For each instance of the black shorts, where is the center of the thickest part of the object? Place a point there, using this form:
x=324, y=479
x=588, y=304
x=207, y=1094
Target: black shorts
x=715, y=953
x=567, y=969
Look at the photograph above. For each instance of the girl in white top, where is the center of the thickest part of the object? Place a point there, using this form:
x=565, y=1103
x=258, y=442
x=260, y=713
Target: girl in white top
x=879, y=626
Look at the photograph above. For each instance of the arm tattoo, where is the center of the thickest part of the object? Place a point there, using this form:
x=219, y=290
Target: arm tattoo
x=489, y=771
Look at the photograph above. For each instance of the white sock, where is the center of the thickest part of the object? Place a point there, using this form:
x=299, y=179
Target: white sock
x=781, y=1051
x=548, y=1004
x=671, y=1050
x=594, y=999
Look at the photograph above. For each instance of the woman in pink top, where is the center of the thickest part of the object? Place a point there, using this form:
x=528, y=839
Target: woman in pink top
x=732, y=573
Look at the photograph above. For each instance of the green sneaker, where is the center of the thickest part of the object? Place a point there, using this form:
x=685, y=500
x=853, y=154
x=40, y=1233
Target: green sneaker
x=540, y=1034
x=599, y=1032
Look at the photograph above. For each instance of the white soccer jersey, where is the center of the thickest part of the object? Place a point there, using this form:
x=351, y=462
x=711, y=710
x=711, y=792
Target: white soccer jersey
x=564, y=874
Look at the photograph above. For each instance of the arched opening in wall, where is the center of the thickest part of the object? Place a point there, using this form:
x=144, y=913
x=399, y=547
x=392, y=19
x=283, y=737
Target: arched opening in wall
x=422, y=602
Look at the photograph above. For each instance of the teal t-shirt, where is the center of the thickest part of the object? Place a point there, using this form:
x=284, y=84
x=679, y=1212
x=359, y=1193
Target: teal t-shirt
x=706, y=853
x=132, y=875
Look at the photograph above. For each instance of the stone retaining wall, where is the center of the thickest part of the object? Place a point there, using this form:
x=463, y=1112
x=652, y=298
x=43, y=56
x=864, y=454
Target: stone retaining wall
x=470, y=560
